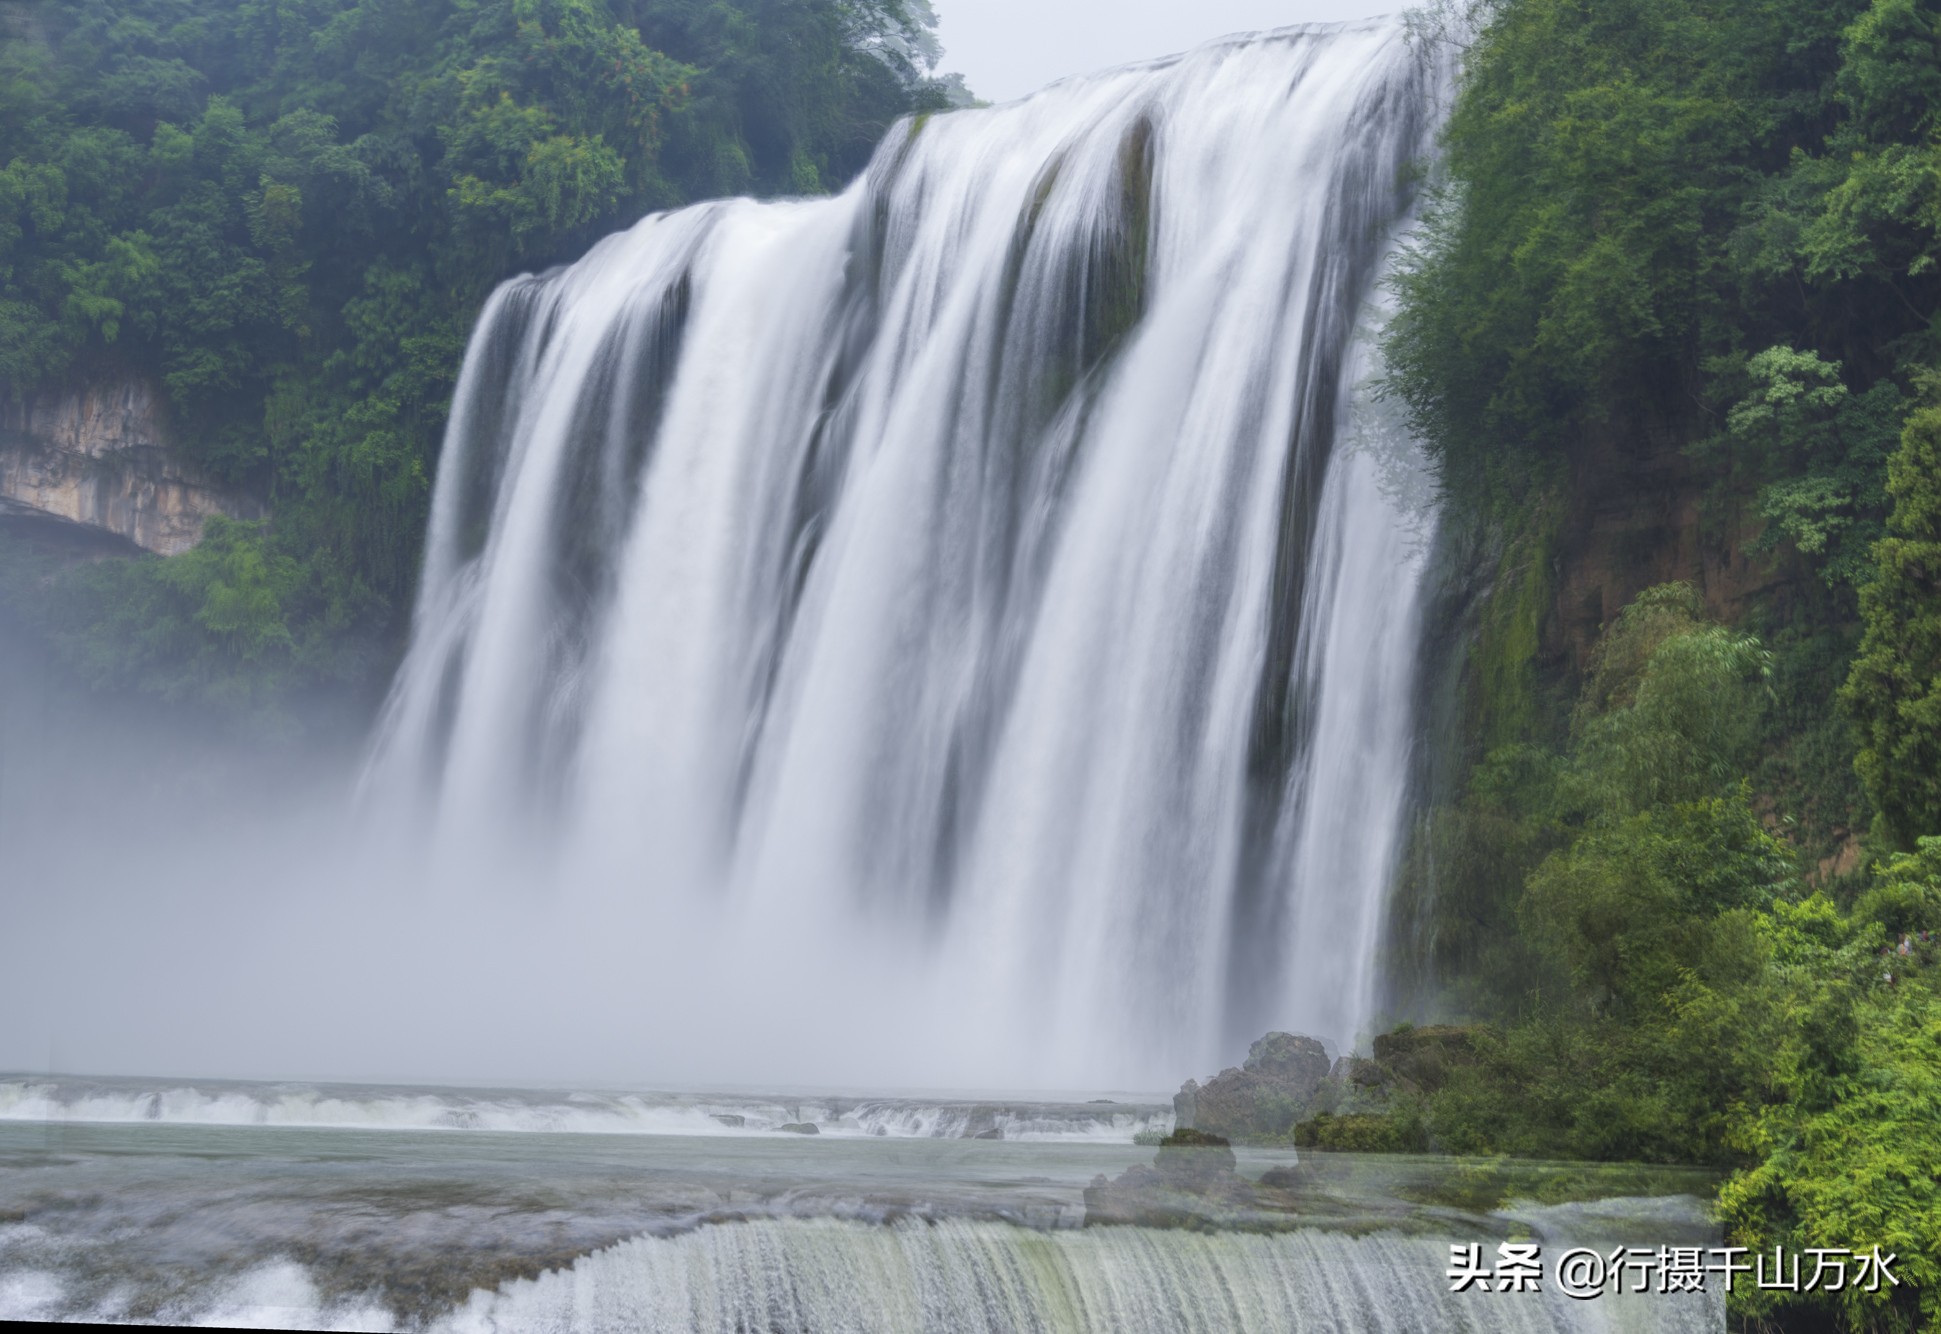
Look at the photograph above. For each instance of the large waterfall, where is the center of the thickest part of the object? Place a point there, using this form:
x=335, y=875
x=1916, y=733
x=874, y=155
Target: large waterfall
x=967, y=614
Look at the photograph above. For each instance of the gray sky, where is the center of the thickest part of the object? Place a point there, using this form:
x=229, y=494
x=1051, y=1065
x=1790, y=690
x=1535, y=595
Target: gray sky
x=1007, y=48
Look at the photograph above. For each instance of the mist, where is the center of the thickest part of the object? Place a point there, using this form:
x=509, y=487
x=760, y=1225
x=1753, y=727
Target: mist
x=775, y=712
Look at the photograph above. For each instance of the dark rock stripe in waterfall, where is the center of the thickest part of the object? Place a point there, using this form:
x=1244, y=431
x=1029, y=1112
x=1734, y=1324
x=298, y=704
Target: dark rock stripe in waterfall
x=1370, y=192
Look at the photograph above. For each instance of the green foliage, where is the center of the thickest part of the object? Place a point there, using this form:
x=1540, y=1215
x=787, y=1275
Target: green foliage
x=1617, y=887
x=1580, y=255
x=1821, y=452
x=1906, y=895
x=1400, y=1131
x=1633, y=909
x=237, y=626
x=1665, y=989
x=1857, y=1166
x=1894, y=690
x=288, y=214
x=1667, y=714
x=1640, y=193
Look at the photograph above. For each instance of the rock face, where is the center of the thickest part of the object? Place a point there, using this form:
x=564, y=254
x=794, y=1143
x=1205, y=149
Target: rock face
x=1264, y=1097
x=99, y=457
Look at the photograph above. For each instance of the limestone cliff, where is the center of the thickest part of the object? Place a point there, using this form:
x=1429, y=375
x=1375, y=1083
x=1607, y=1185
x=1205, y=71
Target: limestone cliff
x=100, y=457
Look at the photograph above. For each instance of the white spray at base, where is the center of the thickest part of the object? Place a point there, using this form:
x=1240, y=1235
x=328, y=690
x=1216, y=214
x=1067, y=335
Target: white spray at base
x=946, y=612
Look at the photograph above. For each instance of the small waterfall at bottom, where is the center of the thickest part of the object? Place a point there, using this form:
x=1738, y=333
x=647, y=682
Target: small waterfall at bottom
x=959, y=1277
x=959, y=590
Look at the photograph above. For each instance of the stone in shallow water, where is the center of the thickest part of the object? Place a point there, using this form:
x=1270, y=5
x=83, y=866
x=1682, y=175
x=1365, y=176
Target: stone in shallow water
x=802, y=1128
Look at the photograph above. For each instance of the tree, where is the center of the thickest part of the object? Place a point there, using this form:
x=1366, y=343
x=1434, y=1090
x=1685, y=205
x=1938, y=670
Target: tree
x=1894, y=689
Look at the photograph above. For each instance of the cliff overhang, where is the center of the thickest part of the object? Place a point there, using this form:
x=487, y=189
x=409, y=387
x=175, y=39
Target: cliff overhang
x=99, y=458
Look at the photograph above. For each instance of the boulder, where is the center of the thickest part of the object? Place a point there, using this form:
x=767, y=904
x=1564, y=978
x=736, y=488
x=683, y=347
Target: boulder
x=1186, y=1105
x=731, y=1120
x=1289, y=1056
x=1262, y=1099
x=802, y=1128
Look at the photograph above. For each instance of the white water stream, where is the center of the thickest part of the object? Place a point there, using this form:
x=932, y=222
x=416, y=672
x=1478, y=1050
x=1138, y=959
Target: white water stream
x=953, y=599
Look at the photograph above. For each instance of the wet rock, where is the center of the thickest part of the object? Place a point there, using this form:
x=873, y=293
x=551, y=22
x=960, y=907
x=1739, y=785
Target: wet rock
x=1289, y=1056
x=993, y=1133
x=1186, y=1105
x=1262, y=1099
x=802, y=1128
x=731, y=1120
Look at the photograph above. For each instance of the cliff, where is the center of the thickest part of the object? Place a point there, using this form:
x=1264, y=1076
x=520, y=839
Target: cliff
x=99, y=457
x=1635, y=515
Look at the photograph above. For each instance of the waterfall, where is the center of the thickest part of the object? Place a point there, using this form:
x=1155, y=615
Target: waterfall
x=960, y=1276
x=952, y=613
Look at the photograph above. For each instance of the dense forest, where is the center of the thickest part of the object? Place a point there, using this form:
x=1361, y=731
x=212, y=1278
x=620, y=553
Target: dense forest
x=287, y=214
x=1684, y=875
x=1679, y=872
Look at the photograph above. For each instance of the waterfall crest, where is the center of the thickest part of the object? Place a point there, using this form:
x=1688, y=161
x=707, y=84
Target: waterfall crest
x=952, y=604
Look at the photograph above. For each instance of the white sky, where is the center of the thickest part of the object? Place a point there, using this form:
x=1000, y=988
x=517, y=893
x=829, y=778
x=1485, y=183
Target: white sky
x=1007, y=48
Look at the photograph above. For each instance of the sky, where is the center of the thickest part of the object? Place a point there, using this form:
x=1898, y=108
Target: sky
x=1007, y=48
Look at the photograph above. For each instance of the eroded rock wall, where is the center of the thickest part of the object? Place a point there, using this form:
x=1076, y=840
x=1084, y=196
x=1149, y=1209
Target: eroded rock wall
x=1637, y=515
x=100, y=457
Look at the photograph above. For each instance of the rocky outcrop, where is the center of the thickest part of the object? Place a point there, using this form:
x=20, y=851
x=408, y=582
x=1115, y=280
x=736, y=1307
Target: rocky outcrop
x=100, y=457
x=1290, y=1092
x=1261, y=1099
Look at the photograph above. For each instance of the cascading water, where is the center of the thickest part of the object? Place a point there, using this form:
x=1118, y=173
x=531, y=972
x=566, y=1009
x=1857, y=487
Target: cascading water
x=949, y=603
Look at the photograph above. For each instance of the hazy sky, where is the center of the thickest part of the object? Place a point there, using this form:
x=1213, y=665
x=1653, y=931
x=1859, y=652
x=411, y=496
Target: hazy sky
x=1007, y=48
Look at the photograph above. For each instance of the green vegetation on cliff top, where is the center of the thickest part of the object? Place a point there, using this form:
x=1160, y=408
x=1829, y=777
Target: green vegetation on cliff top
x=286, y=213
